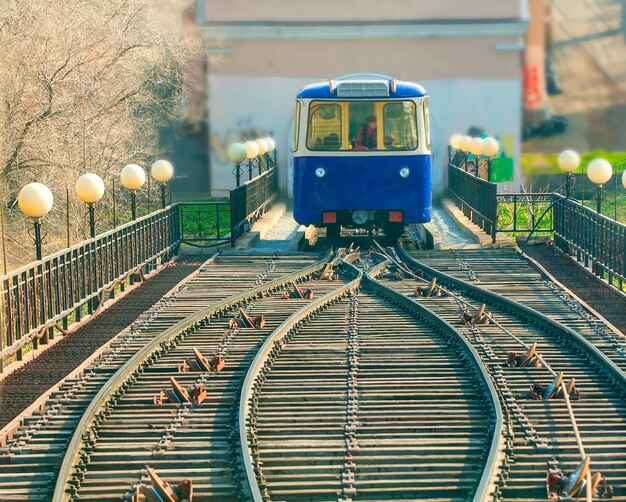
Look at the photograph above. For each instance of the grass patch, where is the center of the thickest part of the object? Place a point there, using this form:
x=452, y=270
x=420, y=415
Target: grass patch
x=533, y=163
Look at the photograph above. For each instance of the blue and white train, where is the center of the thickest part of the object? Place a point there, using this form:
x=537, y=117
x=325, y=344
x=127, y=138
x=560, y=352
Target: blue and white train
x=361, y=152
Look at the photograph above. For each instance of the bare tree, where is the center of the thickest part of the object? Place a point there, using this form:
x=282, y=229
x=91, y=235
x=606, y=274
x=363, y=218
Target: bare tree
x=84, y=85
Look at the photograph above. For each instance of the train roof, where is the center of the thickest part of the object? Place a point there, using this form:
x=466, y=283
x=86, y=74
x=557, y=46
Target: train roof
x=362, y=86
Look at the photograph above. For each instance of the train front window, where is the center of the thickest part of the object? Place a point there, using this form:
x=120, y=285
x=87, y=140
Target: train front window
x=362, y=125
x=400, y=126
x=324, y=127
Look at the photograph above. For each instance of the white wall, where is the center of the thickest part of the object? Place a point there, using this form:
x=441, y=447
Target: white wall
x=261, y=106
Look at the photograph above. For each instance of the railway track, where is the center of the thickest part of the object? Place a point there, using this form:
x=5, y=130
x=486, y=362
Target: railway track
x=34, y=446
x=367, y=391
x=371, y=398
x=502, y=271
x=541, y=434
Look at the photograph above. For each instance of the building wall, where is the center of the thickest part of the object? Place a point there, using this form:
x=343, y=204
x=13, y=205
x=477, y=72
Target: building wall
x=276, y=11
x=468, y=55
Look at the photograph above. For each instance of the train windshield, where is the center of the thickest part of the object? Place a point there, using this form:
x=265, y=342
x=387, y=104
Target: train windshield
x=362, y=125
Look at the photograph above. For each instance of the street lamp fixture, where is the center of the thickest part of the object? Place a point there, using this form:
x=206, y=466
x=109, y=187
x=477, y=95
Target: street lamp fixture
x=455, y=141
x=252, y=150
x=263, y=146
x=133, y=177
x=90, y=189
x=476, y=149
x=237, y=153
x=162, y=171
x=491, y=147
x=35, y=200
x=464, y=146
x=599, y=171
x=568, y=162
x=271, y=148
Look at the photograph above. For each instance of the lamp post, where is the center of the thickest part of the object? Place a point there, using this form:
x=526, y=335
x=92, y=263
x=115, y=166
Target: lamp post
x=133, y=177
x=464, y=146
x=271, y=148
x=263, y=146
x=90, y=189
x=476, y=149
x=237, y=153
x=454, y=144
x=35, y=200
x=491, y=147
x=568, y=162
x=162, y=171
x=252, y=150
x=599, y=171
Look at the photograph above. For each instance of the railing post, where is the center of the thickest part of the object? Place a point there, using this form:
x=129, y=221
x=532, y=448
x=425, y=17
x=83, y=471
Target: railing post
x=4, y=342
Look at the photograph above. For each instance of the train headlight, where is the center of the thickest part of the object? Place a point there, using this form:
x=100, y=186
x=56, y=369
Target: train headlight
x=320, y=172
x=404, y=172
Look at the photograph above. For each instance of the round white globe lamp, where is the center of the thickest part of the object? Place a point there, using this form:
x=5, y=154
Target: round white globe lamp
x=133, y=177
x=90, y=189
x=599, y=171
x=35, y=200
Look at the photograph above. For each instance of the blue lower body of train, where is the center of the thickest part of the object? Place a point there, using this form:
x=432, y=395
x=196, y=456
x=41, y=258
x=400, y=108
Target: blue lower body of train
x=371, y=183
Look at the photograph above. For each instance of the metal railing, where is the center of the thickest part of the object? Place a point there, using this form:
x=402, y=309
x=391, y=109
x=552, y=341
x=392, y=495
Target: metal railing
x=475, y=197
x=45, y=296
x=598, y=241
x=250, y=200
x=521, y=212
x=204, y=224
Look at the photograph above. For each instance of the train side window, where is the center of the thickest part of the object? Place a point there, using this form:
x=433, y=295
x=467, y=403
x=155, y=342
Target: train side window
x=324, y=132
x=296, y=128
x=400, y=125
x=425, y=106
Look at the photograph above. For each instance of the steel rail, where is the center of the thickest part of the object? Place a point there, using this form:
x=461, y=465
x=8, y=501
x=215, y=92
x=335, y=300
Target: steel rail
x=486, y=484
x=257, y=364
x=608, y=367
x=168, y=335
x=602, y=361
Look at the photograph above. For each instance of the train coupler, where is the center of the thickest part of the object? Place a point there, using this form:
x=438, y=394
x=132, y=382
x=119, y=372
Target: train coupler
x=160, y=490
x=477, y=317
x=178, y=394
x=525, y=360
x=245, y=320
x=297, y=292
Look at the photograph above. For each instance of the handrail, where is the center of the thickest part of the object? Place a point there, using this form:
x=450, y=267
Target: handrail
x=83, y=243
x=476, y=197
x=36, y=296
x=490, y=471
x=168, y=335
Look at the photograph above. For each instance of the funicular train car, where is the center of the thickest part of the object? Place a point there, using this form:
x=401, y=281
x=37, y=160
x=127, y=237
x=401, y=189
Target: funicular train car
x=361, y=150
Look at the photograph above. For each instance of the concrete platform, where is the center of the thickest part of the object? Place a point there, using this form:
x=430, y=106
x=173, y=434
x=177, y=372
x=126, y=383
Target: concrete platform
x=450, y=229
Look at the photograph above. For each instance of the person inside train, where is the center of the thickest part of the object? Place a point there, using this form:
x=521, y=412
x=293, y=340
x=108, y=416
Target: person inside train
x=366, y=138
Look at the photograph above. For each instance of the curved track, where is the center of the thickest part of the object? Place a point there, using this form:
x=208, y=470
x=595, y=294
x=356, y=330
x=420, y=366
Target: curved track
x=541, y=433
x=366, y=391
x=31, y=457
x=368, y=396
